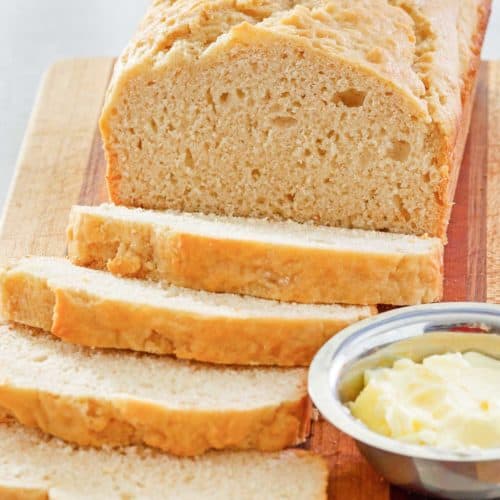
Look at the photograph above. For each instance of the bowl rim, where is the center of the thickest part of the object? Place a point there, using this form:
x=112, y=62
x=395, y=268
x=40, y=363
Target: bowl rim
x=337, y=414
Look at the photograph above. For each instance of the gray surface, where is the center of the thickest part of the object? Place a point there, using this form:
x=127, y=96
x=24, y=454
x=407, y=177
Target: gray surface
x=35, y=33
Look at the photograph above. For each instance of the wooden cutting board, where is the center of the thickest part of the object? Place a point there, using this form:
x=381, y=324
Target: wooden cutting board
x=61, y=163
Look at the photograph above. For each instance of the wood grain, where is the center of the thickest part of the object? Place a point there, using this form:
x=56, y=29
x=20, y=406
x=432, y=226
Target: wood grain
x=465, y=256
x=53, y=158
x=62, y=163
x=493, y=186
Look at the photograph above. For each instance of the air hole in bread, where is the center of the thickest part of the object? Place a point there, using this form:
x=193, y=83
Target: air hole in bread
x=284, y=121
x=223, y=97
x=154, y=125
x=402, y=210
x=240, y=93
x=400, y=150
x=189, y=159
x=210, y=99
x=255, y=174
x=351, y=98
x=40, y=358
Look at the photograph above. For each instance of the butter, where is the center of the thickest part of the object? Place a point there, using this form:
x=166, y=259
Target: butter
x=448, y=401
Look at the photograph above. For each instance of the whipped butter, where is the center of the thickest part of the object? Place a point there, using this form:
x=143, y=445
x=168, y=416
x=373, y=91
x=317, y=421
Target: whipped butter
x=447, y=401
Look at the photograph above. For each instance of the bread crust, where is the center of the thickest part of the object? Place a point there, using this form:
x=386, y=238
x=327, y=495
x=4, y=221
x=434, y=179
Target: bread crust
x=99, y=321
x=457, y=146
x=17, y=492
x=89, y=421
x=263, y=269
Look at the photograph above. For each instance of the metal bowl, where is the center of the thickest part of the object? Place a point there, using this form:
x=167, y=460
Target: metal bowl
x=336, y=377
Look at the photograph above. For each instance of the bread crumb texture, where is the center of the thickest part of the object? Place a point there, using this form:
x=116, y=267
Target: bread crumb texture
x=36, y=467
x=345, y=112
x=99, y=398
x=279, y=260
x=96, y=309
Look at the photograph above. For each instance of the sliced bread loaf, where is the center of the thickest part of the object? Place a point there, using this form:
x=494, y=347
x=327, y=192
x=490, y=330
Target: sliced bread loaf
x=350, y=113
x=36, y=467
x=92, y=397
x=97, y=309
x=274, y=260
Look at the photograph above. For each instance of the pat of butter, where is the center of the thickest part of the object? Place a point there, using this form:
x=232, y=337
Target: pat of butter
x=447, y=401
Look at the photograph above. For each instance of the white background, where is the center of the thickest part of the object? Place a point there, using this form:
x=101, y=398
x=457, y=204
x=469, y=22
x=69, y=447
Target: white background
x=35, y=33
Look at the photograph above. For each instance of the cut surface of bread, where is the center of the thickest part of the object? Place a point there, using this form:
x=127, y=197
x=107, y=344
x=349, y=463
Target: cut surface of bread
x=95, y=308
x=93, y=397
x=34, y=466
x=349, y=113
x=274, y=260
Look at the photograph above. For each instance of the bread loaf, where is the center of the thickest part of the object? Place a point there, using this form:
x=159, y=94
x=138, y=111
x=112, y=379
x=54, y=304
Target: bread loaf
x=97, y=309
x=35, y=467
x=92, y=397
x=348, y=113
x=274, y=260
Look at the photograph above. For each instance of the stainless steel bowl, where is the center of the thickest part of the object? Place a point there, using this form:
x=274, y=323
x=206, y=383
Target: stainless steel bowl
x=336, y=377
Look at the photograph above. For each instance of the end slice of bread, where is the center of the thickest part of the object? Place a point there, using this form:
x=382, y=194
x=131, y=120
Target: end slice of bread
x=34, y=466
x=274, y=260
x=97, y=309
x=92, y=397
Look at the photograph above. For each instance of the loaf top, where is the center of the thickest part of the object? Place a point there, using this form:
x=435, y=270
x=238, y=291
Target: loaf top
x=421, y=48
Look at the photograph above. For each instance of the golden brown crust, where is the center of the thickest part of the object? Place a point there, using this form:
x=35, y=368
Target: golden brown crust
x=262, y=269
x=21, y=492
x=97, y=422
x=100, y=321
x=457, y=145
x=450, y=74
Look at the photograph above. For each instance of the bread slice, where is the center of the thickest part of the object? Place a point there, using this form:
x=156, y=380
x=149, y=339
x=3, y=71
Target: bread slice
x=274, y=260
x=350, y=113
x=34, y=466
x=93, y=397
x=97, y=309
